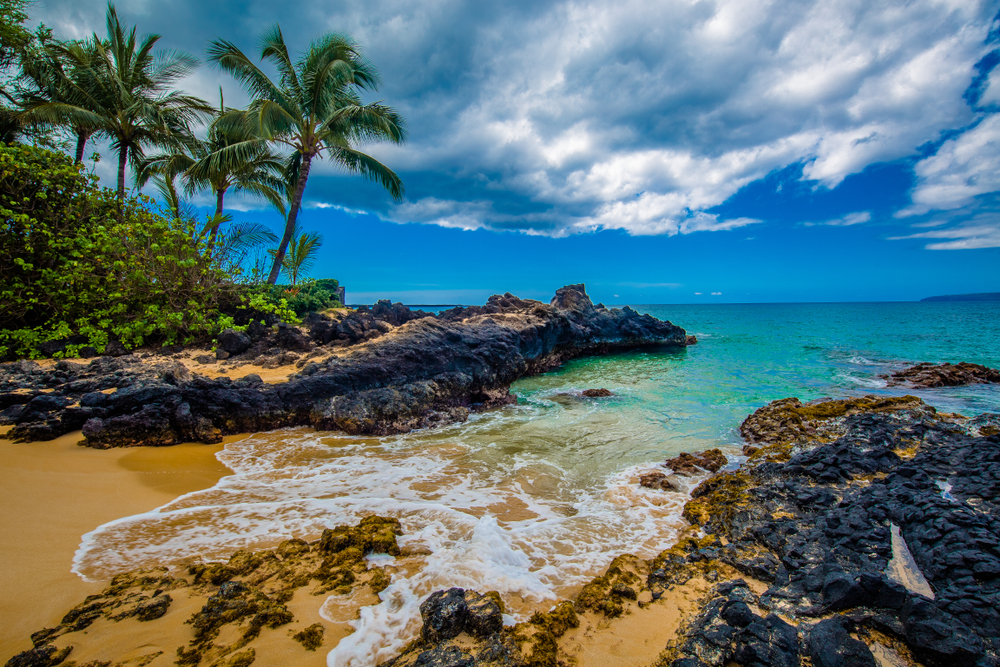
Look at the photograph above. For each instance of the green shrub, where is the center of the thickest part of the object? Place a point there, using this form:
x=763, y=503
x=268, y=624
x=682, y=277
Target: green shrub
x=75, y=262
x=310, y=296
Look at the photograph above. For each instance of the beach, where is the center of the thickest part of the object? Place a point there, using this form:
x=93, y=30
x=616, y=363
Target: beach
x=55, y=492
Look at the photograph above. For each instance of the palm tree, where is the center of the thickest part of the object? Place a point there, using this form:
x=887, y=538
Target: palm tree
x=59, y=74
x=253, y=169
x=315, y=106
x=301, y=255
x=130, y=88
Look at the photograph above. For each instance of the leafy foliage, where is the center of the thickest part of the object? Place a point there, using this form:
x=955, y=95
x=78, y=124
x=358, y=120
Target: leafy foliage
x=120, y=88
x=315, y=107
x=13, y=36
x=310, y=296
x=78, y=262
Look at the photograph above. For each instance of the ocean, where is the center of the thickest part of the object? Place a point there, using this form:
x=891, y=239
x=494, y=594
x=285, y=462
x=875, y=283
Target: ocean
x=534, y=499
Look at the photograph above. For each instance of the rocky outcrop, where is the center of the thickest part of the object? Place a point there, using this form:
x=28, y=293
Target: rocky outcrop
x=927, y=375
x=831, y=524
x=234, y=601
x=424, y=372
x=803, y=555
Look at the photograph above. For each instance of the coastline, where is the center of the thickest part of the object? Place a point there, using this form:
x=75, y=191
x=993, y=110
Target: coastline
x=53, y=493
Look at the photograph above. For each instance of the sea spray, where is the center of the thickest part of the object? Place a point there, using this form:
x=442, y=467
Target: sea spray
x=488, y=560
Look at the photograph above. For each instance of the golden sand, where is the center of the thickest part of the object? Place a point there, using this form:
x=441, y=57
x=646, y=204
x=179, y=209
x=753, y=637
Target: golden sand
x=52, y=493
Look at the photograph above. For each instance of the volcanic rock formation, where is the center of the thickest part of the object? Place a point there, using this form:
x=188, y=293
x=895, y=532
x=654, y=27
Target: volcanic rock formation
x=408, y=371
x=943, y=375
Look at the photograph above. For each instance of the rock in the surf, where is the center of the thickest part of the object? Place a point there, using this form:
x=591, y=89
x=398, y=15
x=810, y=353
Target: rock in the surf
x=928, y=375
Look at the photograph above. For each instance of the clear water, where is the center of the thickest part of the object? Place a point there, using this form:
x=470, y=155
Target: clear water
x=535, y=499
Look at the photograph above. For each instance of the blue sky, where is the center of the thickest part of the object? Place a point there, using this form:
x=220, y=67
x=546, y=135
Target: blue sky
x=661, y=151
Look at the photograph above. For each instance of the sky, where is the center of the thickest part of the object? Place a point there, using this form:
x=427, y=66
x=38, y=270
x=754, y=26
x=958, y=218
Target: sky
x=660, y=151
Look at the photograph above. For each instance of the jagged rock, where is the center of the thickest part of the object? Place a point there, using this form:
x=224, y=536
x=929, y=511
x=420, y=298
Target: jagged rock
x=597, y=393
x=943, y=375
x=154, y=608
x=40, y=656
x=430, y=371
x=291, y=338
x=446, y=614
x=831, y=645
x=233, y=342
x=115, y=348
x=686, y=464
x=659, y=480
x=818, y=521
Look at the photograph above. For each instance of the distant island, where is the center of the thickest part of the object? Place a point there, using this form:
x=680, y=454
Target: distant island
x=982, y=296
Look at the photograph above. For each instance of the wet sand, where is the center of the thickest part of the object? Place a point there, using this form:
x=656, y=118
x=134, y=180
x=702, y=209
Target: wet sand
x=52, y=493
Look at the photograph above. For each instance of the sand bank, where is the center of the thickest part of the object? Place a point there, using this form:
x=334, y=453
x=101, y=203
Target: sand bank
x=51, y=493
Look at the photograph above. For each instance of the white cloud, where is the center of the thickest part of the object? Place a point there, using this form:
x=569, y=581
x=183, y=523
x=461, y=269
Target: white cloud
x=564, y=116
x=963, y=168
x=856, y=218
x=981, y=232
x=716, y=293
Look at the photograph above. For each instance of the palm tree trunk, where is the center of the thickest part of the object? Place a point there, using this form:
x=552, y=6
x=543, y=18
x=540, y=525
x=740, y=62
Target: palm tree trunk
x=293, y=213
x=219, y=195
x=122, y=162
x=81, y=142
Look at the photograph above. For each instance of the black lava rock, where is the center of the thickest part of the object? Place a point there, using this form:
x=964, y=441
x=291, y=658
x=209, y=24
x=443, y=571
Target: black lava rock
x=234, y=342
x=444, y=615
x=831, y=645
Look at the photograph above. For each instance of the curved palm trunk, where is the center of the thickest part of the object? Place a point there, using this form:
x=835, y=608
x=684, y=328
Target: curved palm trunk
x=122, y=162
x=81, y=143
x=293, y=213
x=219, y=195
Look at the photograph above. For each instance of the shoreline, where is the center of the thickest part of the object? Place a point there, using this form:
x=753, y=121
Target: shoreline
x=53, y=493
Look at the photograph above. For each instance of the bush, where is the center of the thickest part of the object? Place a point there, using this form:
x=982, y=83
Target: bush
x=310, y=296
x=78, y=263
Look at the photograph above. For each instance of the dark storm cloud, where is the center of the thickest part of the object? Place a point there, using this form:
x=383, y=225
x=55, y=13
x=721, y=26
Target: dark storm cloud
x=558, y=117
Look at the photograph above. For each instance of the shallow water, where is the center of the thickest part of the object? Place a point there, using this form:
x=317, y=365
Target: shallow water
x=535, y=499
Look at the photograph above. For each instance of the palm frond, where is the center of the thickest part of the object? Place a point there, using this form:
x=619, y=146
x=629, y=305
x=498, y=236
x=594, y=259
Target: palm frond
x=368, y=167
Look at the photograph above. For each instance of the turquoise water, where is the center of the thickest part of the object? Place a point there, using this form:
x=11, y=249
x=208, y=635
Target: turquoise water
x=534, y=499
x=750, y=354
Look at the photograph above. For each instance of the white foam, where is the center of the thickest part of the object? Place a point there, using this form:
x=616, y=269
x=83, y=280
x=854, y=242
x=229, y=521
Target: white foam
x=867, y=382
x=510, y=501
x=379, y=560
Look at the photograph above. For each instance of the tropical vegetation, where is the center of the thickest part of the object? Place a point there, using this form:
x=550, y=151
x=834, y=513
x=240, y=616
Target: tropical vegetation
x=83, y=265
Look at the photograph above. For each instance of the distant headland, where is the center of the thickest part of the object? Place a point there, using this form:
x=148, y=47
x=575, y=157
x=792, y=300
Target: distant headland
x=982, y=296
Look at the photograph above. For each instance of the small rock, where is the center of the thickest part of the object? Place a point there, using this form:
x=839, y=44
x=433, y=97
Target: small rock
x=311, y=638
x=221, y=354
x=154, y=608
x=115, y=349
x=233, y=342
x=831, y=645
x=40, y=656
x=597, y=393
x=205, y=359
x=444, y=614
x=485, y=617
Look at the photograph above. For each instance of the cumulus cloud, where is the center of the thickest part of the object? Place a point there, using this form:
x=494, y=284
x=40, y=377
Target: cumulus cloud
x=963, y=168
x=558, y=117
